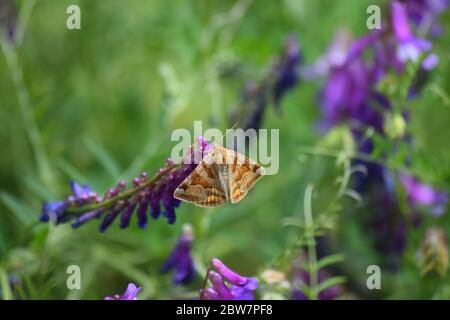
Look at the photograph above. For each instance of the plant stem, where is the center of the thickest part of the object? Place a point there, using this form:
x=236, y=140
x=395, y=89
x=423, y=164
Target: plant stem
x=311, y=242
x=205, y=282
x=123, y=195
x=6, y=290
x=355, y=156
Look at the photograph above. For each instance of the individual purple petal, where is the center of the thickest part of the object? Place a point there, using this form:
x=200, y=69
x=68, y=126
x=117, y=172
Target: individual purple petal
x=142, y=214
x=240, y=293
x=85, y=217
x=219, y=286
x=51, y=211
x=210, y=294
x=126, y=215
x=430, y=62
x=154, y=200
x=252, y=284
x=420, y=194
x=79, y=191
x=400, y=21
x=130, y=294
x=228, y=274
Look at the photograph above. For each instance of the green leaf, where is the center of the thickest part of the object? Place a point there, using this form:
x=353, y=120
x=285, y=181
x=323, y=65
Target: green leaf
x=329, y=283
x=102, y=155
x=6, y=290
x=307, y=291
x=329, y=260
x=21, y=212
x=71, y=171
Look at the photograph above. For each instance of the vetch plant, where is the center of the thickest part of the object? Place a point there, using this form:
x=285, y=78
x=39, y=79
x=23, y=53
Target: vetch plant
x=144, y=195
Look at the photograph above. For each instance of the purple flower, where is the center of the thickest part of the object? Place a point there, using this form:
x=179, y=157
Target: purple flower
x=420, y=194
x=409, y=47
x=181, y=259
x=130, y=294
x=146, y=197
x=239, y=288
x=350, y=93
x=81, y=195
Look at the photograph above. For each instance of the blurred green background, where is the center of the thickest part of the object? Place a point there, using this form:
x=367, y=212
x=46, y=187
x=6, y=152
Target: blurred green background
x=103, y=102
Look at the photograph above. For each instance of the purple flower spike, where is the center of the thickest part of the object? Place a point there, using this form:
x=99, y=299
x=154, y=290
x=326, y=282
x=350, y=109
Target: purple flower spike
x=130, y=294
x=181, y=259
x=145, y=195
x=87, y=217
x=420, y=194
x=241, y=287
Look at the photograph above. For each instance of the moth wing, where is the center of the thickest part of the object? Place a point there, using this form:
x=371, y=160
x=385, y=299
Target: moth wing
x=243, y=174
x=202, y=187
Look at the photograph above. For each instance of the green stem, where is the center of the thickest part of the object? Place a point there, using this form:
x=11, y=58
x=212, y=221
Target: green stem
x=355, y=156
x=121, y=196
x=24, y=18
x=311, y=242
x=205, y=282
x=6, y=290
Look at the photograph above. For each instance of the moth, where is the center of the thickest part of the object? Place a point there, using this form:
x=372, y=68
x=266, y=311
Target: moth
x=223, y=175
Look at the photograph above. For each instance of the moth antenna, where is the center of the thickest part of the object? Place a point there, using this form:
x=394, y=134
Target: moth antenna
x=226, y=132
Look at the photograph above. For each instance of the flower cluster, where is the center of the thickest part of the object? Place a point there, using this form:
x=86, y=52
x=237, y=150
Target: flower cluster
x=130, y=294
x=241, y=288
x=181, y=259
x=351, y=90
x=146, y=195
x=355, y=72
